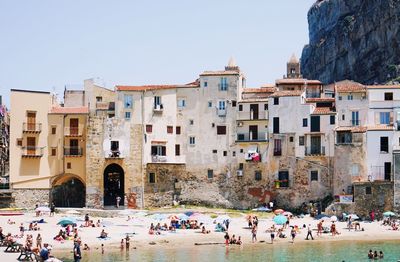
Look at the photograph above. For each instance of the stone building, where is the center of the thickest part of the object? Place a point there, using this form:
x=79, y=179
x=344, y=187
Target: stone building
x=5, y=193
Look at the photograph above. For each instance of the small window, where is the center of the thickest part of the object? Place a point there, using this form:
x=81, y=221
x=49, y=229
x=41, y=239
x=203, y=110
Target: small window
x=276, y=100
x=265, y=106
x=388, y=96
x=127, y=115
x=368, y=190
x=178, y=130
x=99, y=98
x=233, y=153
x=53, y=151
x=343, y=117
x=240, y=107
x=314, y=175
x=350, y=97
x=210, y=173
x=332, y=120
x=205, y=84
x=241, y=166
x=192, y=140
x=257, y=175
x=241, y=150
x=301, y=140
x=291, y=139
x=170, y=129
x=233, y=103
x=149, y=128
x=69, y=166
x=53, y=130
x=177, y=150
x=340, y=98
x=209, y=103
x=181, y=103
x=225, y=153
x=19, y=141
x=384, y=145
x=191, y=122
x=214, y=151
x=152, y=178
x=212, y=125
x=305, y=122
x=221, y=130
x=127, y=101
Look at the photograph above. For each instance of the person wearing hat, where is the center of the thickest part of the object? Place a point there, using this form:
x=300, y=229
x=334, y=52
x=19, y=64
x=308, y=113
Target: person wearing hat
x=77, y=250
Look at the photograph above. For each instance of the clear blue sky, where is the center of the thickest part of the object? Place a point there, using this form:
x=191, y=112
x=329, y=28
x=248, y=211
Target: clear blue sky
x=47, y=44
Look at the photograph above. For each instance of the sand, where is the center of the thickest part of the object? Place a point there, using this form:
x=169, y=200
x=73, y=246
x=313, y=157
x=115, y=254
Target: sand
x=118, y=226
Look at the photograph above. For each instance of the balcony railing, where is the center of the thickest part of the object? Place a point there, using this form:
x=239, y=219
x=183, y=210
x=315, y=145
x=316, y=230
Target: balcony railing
x=315, y=151
x=32, y=127
x=248, y=137
x=158, y=159
x=249, y=115
x=114, y=154
x=73, y=151
x=355, y=122
x=31, y=151
x=158, y=108
x=73, y=131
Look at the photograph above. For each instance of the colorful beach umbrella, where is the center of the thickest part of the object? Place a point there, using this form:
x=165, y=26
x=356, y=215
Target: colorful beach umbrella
x=334, y=218
x=389, y=214
x=278, y=211
x=353, y=216
x=280, y=220
x=66, y=221
x=183, y=217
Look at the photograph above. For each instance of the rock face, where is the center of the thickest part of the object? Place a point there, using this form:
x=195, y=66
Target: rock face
x=353, y=39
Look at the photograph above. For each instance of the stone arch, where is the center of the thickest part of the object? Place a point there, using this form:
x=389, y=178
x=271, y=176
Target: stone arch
x=68, y=190
x=113, y=184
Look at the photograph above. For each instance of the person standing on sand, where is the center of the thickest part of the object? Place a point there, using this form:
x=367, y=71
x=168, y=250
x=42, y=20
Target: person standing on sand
x=272, y=236
x=226, y=238
x=52, y=209
x=127, y=239
x=254, y=234
x=320, y=227
x=77, y=251
x=39, y=241
x=293, y=234
x=309, y=232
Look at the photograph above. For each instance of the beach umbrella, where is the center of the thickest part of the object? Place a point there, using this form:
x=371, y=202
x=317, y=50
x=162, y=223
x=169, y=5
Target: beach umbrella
x=280, y=219
x=189, y=213
x=194, y=216
x=183, y=217
x=278, y=211
x=320, y=216
x=43, y=209
x=221, y=218
x=389, y=214
x=66, y=221
x=72, y=212
x=287, y=213
x=334, y=218
x=353, y=216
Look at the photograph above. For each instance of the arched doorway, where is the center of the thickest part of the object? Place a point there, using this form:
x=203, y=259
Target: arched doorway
x=113, y=184
x=70, y=193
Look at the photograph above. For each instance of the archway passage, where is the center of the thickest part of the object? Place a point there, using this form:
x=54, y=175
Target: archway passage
x=70, y=193
x=113, y=185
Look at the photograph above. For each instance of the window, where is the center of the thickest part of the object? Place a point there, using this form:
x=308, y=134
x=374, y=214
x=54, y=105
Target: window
x=233, y=103
x=69, y=166
x=241, y=166
x=291, y=139
x=170, y=129
x=223, y=85
x=214, y=151
x=181, y=103
x=177, y=150
x=241, y=150
x=127, y=115
x=384, y=118
x=19, y=141
x=221, y=130
x=368, y=190
x=221, y=105
x=350, y=97
x=257, y=175
x=340, y=98
x=192, y=140
x=157, y=102
x=283, y=177
x=99, y=98
x=276, y=125
x=233, y=153
x=332, y=120
x=149, y=128
x=354, y=170
x=114, y=145
x=240, y=107
x=355, y=118
x=343, y=117
x=210, y=173
x=276, y=100
x=344, y=138
x=265, y=106
x=301, y=140
x=212, y=125
x=305, y=122
x=152, y=178
x=158, y=150
x=315, y=124
x=314, y=175
x=178, y=130
x=53, y=130
x=53, y=151
x=277, y=147
x=384, y=144
x=225, y=153
x=209, y=103
x=127, y=101
x=388, y=96
x=205, y=84
x=191, y=122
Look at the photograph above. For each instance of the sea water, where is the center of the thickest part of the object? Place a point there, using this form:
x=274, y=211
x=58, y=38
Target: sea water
x=309, y=251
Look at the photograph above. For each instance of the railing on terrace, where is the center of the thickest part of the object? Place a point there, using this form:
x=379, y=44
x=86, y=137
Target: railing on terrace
x=32, y=127
x=315, y=151
x=73, y=151
x=31, y=151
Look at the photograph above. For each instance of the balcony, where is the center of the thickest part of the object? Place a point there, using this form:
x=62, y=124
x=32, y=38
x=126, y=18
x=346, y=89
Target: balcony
x=73, y=131
x=73, y=151
x=32, y=128
x=315, y=151
x=32, y=152
x=158, y=159
x=248, y=137
x=354, y=122
x=116, y=153
x=249, y=115
x=158, y=108
x=221, y=112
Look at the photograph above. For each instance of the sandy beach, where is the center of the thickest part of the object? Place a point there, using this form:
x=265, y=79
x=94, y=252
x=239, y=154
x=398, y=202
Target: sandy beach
x=138, y=226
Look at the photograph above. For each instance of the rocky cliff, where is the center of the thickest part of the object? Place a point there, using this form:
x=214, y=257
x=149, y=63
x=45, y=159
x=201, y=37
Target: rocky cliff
x=353, y=39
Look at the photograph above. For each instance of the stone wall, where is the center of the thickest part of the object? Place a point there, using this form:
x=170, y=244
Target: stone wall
x=28, y=198
x=396, y=181
x=380, y=199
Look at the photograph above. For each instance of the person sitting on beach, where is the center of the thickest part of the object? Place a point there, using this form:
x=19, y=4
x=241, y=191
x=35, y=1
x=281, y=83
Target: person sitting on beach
x=239, y=241
x=86, y=247
x=232, y=241
x=281, y=234
x=204, y=231
x=86, y=220
x=59, y=236
x=10, y=222
x=103, y=234
x=394, y=226
x=151, y=229
x=30, y=226
x=98, y=224
x=357, y=225
x=36, y=227
x=164, y=227
x=158, y=227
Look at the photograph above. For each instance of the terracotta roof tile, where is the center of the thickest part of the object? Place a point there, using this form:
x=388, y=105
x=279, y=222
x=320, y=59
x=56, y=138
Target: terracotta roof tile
x=153, y=87
x=352, y=129
x=287, y=93
x=320, y=99
x=297, y=81
x=383, y=86
x=69, y=110
x=380, y=128
x=347, y=86
x=322, y=111
x=259, y=90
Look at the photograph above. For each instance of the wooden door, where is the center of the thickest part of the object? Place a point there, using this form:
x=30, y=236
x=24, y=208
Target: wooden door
x=31, y=145
x=31, y=121
x=74, y=126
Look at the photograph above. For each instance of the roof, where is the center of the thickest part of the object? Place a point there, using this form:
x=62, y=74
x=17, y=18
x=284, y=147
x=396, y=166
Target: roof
x=347, y=86
x=352, y=129
x=383, y=86
x=154, y=87
x=322, y=111
x=217, y=73
x=287, y=93
x=259, y=90
x=29, y=91
x=381, y=128
x=320, y=99
x=70, y=110
x=297, y=81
